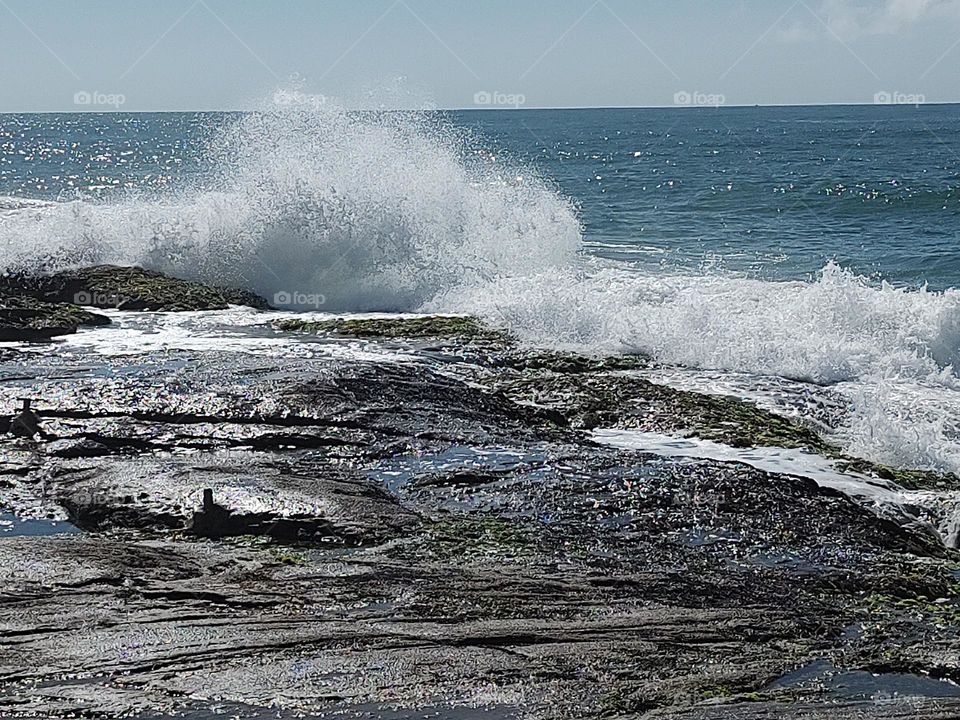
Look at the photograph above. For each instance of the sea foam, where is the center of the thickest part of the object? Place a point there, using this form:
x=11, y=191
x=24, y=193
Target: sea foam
x=891, y=353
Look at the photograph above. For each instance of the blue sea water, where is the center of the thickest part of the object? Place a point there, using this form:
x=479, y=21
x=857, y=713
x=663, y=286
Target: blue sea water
x=772, y=192
x=804, y=256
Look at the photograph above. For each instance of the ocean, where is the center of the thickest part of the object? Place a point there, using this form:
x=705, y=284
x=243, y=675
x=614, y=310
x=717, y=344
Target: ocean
x=803, y=257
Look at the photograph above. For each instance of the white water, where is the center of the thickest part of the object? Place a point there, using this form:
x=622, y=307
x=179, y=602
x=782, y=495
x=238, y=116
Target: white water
x=393, y=213
x=375, y=212
x=889, y=353
x=239, y=329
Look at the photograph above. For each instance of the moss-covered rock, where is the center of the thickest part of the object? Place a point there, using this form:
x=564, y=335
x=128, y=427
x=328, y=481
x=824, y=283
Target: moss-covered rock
x=410, y=328
x=627, y=401
x=470, y=341
x=27, y=319
x=910, y=479
x=125, y=288
x=567, y=362
x=588, y=396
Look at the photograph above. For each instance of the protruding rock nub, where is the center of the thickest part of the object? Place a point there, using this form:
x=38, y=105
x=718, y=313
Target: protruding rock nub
x=213, y=520
x=26, y=423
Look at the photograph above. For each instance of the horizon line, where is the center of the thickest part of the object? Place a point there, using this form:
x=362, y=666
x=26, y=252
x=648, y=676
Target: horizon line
x=505, y=108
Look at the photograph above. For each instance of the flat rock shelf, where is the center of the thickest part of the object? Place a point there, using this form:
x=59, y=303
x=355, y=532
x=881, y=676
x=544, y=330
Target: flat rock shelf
x=415, y=519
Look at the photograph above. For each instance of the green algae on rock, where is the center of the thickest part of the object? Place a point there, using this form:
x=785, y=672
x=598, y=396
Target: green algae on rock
x=476, y=342
x=26, y=319
x=627, y=401
x=413, y=328
x=597, y=398
x=907, y=478
x=567, y=362
x=126, y=288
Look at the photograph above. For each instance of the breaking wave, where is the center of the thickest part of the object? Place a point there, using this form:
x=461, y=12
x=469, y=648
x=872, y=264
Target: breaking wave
x=834, y=329
x=370, y=211
x=891, y=353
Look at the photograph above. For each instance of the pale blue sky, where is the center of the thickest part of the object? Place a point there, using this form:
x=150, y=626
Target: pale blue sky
x=229, y=54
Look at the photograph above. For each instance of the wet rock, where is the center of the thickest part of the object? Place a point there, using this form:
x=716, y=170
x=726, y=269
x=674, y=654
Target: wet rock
x=25, y=319
x=626, y=401
x=451, y=545
x=235, y=296
x=88, y=513
x=434, y=326
x=569, y=363
x=905, y=477
x=76, y=448
x=257, y=494
x=25, y=423
x=125, y=288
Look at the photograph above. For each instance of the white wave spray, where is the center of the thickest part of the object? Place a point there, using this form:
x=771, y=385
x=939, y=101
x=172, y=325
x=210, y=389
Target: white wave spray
x=891, y=352
x=371, y=211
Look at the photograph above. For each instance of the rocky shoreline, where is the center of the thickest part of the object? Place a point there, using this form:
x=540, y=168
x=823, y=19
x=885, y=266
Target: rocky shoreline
x=39, y=307
x=413, y=519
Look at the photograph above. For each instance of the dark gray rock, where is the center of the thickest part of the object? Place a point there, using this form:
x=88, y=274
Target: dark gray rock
x=25, y=319
x=124, y=288
x=396, y=539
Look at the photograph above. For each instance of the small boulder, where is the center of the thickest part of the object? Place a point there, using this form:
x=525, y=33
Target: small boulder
x=76, y=448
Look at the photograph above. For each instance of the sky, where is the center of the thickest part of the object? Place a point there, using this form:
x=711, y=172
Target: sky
x=173, y=55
